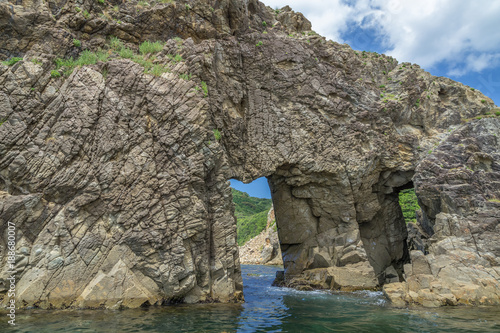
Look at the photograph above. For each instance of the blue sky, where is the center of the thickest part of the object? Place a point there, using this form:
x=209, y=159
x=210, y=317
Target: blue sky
x=258, y=188
x=459, y=39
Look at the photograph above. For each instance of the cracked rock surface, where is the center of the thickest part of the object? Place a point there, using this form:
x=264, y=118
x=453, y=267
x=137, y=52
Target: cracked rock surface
x=458, y=187
x=117, y=179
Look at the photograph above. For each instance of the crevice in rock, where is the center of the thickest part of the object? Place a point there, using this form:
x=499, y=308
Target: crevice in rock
x=385, y=235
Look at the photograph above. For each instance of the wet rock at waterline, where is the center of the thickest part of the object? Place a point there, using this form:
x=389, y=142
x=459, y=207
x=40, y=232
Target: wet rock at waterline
x=115, y=173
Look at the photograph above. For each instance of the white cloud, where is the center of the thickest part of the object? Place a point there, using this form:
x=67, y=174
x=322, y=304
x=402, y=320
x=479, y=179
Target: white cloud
x=461, y=33
x=327, y=19
x=475, y=63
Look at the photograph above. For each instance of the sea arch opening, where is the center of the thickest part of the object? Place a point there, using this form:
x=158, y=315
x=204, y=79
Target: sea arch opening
x=344, y=237
x=257, y=234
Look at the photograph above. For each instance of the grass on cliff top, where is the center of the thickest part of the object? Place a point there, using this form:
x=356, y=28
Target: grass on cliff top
x=86, y=58
x=151, y=47
x=251, y=215
x=146, y=58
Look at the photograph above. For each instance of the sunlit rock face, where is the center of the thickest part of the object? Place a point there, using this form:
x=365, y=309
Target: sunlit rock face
x=116, y=176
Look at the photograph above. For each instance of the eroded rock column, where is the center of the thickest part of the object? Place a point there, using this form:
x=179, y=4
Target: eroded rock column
x=318, y=230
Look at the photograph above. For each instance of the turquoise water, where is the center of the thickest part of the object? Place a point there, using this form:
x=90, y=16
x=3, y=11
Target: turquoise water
x=267, y=309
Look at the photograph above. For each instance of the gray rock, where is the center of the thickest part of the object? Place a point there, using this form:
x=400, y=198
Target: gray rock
x=458, y=186
x=119, y=189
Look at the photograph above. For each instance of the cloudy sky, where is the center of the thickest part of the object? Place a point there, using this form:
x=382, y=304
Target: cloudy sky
x=459, y=39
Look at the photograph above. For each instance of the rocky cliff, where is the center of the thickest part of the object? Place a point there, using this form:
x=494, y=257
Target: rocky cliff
x=458, y=186
x=115, y=154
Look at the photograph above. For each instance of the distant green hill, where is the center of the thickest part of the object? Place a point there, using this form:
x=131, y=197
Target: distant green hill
x=409, y=204
x=251, y=215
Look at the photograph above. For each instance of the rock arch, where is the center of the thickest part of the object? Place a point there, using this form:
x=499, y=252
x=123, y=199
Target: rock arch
x=118, y=186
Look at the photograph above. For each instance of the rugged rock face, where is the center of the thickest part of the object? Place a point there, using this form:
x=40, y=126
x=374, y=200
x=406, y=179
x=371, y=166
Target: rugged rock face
x=263, y=249
x=116, y=177
x=459, y=189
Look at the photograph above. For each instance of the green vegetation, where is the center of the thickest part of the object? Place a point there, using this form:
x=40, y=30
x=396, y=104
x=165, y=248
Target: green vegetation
x=204, y=88
x=150, y=47
x=188, y=7
x=217, y=134
x=86, y=14
x=86, y=58
x=389, y=97
x=260, y=43
x=126, y=53
x=156, y=70
x=54, y=73
x=417, y=103
x=409, y=204
x=251, y=215
x=497, y=113
x=483, y=101
x=494, y=200
x=177, y=58
x=264, y=24
x=101, y=2
x=76, y=42
x=12, y=61
x=115, y=43
x=146, y=59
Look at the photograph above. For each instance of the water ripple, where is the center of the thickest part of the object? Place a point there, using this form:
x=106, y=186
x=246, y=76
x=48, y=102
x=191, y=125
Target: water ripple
x=267, y=309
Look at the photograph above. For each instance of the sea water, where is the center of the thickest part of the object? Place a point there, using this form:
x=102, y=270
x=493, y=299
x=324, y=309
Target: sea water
x=267, y=309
